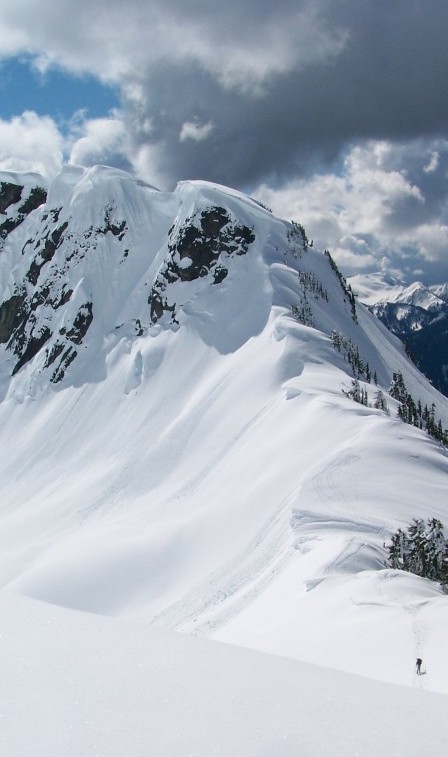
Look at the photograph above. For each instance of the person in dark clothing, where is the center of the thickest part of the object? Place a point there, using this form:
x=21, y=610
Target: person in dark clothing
x=418, y=665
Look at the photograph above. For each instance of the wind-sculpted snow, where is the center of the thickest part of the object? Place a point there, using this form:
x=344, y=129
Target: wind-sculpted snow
x=180, y=441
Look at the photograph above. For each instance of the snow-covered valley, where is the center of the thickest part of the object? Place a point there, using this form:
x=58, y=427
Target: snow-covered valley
x=179, y=453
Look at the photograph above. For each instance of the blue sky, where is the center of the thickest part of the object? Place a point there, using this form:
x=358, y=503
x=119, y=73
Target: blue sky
x=54, y=93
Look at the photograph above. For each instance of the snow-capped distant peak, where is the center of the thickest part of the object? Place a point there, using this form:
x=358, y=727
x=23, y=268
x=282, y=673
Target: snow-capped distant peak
x=380, y=288
x=441, y=291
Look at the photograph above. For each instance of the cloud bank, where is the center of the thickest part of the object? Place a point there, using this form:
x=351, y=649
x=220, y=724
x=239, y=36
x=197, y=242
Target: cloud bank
x=386, y=208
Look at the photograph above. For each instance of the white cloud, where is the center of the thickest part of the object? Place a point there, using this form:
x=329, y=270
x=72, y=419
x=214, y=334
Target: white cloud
x=241, y=45
x=95, y=140
x=238, y=47
x=196, y=132
x=433, y=162
x=432, y=241
x=145, y=161
x=106, y=141
x=373, y=213
x=31, y=143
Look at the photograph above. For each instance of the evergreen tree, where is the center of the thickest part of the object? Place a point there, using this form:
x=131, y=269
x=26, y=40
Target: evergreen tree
x=412, y=412
x=397, y=388
x=418, y=558
x=422, y=549
x=436, y=548
x=348, y=292
x=398, y=550
x=380, y=402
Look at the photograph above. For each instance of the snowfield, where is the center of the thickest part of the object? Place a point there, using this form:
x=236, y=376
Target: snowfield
x=77, y=683
x=179, y=453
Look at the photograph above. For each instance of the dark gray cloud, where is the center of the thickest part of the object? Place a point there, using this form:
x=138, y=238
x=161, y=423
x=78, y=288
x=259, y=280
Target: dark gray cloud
x=387, y=82
x=386, y=207
x=284, y=85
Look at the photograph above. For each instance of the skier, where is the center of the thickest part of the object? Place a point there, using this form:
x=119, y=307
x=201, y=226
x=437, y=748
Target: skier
x=418, y=665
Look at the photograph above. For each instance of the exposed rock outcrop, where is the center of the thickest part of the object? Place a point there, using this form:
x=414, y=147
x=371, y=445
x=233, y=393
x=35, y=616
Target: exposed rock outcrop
x=199, y=248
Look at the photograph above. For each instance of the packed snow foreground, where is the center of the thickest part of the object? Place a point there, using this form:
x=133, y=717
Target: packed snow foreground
x=181, y=452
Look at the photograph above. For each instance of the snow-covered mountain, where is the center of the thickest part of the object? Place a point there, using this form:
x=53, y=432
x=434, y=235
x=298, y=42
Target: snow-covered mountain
x=441, y=291
x=379, y=288
x=181, y=448
x=417, y=314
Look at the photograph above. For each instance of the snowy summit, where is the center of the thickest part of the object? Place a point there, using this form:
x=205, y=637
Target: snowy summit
x=199, y=435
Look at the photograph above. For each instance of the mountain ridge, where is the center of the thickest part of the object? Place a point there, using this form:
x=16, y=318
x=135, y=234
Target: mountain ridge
x=200, y=465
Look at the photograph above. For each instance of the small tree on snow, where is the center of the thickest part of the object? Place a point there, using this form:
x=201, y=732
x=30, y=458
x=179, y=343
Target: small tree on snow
x=380, y=402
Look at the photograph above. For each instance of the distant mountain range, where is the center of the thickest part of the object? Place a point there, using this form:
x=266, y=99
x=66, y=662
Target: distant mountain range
x=417, y=314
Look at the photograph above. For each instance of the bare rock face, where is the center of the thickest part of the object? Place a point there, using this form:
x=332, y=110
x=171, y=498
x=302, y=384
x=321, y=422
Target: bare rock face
x=81, y=251
x=28, y=348
x=11, y=194
x=11, y=314
x=199, y=249
x=29, y=322
x=49, y=246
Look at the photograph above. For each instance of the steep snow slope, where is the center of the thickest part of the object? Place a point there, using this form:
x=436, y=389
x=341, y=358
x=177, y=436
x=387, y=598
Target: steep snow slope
x=177, y=445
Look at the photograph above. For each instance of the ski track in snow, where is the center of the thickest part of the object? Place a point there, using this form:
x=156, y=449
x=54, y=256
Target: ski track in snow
x=195, y=481
x=227, y=591
x=420, y=633
x=348, y=552
x=337, y=481
x=389, y=595
x=417, y=627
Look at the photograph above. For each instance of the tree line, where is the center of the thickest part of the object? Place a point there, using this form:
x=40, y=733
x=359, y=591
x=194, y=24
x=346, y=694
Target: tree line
x=413, y=413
